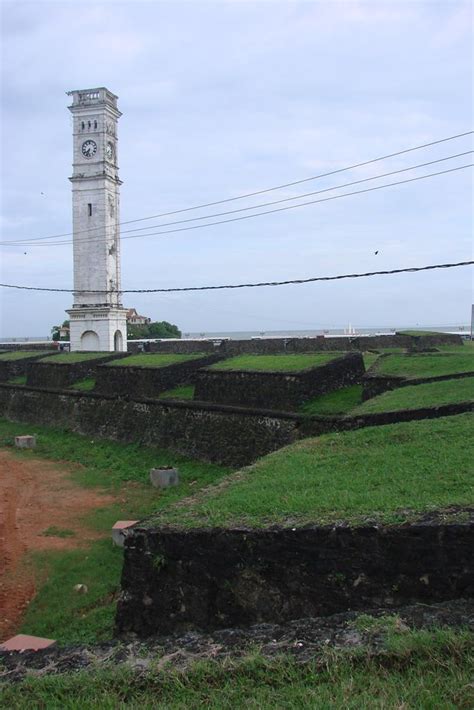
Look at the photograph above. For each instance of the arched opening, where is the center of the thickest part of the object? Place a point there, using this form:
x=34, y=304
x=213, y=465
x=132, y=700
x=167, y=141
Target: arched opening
x=118, y=341
x=90, y=341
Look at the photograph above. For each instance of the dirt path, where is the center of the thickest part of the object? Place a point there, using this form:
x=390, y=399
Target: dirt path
x=34, y=496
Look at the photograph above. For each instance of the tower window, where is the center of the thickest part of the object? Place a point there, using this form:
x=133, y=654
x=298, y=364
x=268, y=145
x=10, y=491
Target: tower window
x=95, y=124
x=89, y=209
x=83, y=125
x=89, y=124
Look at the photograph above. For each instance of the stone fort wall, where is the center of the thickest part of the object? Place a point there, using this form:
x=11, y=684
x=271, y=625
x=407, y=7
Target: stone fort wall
x=278, y=390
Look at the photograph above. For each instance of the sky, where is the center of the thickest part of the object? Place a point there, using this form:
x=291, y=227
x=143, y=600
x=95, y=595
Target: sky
x=220, y=99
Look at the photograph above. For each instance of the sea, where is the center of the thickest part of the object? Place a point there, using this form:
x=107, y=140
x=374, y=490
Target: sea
x=353, y=331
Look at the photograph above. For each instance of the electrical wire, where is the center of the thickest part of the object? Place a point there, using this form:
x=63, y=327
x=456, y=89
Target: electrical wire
x=289, y=207
x=278, y=187
x=411, y=269
x=100, y=238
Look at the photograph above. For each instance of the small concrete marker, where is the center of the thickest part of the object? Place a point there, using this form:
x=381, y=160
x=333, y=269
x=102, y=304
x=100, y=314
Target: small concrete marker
x=25, y=442
x=23, y=642
x=164, y=477
x=120, y=531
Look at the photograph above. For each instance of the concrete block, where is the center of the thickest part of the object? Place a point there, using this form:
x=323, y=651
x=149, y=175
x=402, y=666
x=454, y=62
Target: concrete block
x=120, y=531
x=164, y=477
x=23, y=642
x=25, y=442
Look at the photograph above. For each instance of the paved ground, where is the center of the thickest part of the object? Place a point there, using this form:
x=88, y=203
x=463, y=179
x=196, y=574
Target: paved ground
x=34, y=496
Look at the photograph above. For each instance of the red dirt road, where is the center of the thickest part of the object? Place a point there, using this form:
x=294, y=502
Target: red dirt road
x=34, y=496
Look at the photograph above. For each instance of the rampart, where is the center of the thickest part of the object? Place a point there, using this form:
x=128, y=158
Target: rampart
x=61, y=375
x=229, y=435
x=278, y=390
x=210, y=432
x=136, y=381
x=269, y=346
x=17, y=368
x=175, y=580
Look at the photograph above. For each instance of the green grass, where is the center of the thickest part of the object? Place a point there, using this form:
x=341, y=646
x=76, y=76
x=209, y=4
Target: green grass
x=275, y=363
x=425, y=365
x=84, y=385
x=430, y=394
x=121, y=469
x=69, y=358
x=20, y=380
x=369, y=359
x=21, y=354
x=338, y=402
x=58, y=611
x=429, y=671
x=374, y=472
x=467, y=346
x=54, y=531
x=415, y=333
x=155, y=360
x=181, y=392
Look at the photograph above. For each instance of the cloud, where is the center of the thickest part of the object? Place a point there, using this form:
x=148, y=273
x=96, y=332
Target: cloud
x=220, y=99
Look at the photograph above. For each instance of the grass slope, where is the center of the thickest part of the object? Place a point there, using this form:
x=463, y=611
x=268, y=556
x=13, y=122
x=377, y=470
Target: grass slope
x=154, y=360
x=180, y=392
x=70, y=358
x=419, y=670
x=467, y=346
x=425, y=365
x=86, y=385
x=373, y=472
x=430, y=394
x=123, y=469
x=339, y=402
x=19, y=380
x=275, y=363
x=21, y=355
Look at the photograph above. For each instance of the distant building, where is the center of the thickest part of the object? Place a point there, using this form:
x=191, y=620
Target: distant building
x=134, y=318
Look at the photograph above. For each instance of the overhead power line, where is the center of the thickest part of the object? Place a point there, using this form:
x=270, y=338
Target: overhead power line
x=276, y=187
x=92, y=239
x=288, y=207
x=411, y=269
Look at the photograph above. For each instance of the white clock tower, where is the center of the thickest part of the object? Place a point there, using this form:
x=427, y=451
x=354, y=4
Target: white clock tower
x=97, y=319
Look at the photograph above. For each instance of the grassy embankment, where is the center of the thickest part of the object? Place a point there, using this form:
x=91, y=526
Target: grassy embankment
x=425, y=365
x=416, y=669
x=349, y=399
x=19, y=380
x=86, y=385
x=467, y=346
x=430, y=394
x=180, y=392
x=71, y=358
x=121, y=469
x=21, y=354
x=387, y=473
x=154, y=360
x=275, y=363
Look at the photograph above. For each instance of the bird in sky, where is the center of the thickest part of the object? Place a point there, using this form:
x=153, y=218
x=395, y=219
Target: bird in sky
x=375, y=252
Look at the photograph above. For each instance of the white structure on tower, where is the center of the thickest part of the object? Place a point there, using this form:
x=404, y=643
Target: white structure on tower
x=97, y=319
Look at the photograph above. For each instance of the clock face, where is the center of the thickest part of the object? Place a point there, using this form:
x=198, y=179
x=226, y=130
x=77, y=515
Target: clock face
x=89, y=148
x=109, y=150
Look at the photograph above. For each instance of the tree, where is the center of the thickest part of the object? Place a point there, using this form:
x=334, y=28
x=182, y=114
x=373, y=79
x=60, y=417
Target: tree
x=161, y=329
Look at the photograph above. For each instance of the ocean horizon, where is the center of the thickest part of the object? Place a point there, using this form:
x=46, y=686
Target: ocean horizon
x=352, y=331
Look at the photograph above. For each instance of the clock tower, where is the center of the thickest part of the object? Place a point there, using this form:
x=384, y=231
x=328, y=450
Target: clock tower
x=97, y=318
